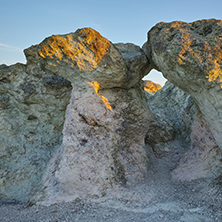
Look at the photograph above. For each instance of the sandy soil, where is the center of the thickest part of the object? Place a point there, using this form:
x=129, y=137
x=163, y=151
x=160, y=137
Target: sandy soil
x=158, y=199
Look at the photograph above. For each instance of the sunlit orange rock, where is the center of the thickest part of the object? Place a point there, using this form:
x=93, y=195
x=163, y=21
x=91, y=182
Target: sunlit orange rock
x=95, y=86
x=151, y=87
x=86, y=51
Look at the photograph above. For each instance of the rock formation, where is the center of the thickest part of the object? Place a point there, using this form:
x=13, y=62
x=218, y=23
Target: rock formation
x=189, y=56
x=173, y=111
x=105, y=122
x=32, y=113
x=151, y=87
x=75, y=118
x=180, y=134
x=203, y=158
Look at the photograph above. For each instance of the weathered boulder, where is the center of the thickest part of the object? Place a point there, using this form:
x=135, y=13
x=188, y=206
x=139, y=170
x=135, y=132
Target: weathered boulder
x=189, y=55
x=32, y=114
x=106, y=119
x=151, y=87
x=78, y=54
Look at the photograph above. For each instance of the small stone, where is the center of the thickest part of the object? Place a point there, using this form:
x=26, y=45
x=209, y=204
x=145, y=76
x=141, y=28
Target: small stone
x=161, y=216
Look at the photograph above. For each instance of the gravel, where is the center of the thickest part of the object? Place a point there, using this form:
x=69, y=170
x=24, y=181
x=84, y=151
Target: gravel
x=158, y=199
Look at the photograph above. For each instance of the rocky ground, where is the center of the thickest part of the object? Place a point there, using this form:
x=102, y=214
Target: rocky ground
x=156, y=199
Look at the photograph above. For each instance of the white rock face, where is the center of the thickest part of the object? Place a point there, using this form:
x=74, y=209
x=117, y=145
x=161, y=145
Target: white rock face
x=100, y=149
x=203, y=158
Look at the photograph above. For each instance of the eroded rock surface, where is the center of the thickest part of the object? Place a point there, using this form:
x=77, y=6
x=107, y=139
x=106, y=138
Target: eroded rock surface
x=189, y=56
x=105, y=123
x=106, y=119
x=173, y=111
x=203, y=158
x=180, y=135
x=77, y=112
x=32, y=113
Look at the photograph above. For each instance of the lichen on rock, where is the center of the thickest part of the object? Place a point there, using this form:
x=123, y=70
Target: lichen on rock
x=189, y=56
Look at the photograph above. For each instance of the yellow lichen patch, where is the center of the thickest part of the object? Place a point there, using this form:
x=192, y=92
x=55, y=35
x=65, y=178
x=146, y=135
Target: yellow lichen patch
x=204, y=49
x=51, y=64
x=96, y=43
x=86, y=51
x=186, y=42
x=95, y=85
x=216, y=73
x=177, y=25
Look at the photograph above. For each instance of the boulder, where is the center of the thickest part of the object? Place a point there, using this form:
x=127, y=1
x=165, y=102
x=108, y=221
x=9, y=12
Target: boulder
x=75, y=118
x=189, y=55
x=173, y=105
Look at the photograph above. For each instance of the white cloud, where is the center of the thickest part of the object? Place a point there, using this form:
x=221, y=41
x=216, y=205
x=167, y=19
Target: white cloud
x=10, y=47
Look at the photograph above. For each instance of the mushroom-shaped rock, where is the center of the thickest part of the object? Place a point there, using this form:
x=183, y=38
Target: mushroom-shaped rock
x=189, y=55
x=86, y=55
x=106, y=120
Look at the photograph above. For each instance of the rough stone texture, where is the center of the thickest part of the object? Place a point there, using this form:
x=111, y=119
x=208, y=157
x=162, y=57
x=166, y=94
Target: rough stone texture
x=136, y=61
x=179, y=131
x=173, y=111
x=204, y=158
x=103, y=135
x=151, y=87
x=32, y=113
x=78, y=54
x=102, y=147
x=189, y=56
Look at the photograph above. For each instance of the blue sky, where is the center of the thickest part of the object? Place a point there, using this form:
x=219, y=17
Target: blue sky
x=24, y=22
